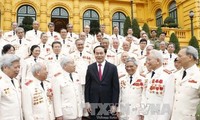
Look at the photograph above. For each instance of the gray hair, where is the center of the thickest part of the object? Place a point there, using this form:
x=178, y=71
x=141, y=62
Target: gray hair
x=192, y=51
x=133, y=60
x=8, y=59
x=156, y=54
x=37, y=67
x=19, y=29
x=65, y=60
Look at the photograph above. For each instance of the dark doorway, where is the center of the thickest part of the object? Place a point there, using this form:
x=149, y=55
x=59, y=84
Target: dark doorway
x=60, y=18
x=60, y=23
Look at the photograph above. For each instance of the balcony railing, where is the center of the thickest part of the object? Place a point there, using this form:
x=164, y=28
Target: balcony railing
x=183, y=36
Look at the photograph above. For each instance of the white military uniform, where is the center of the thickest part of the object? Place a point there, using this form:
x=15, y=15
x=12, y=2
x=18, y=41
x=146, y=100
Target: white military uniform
x=186, y=94
x=121, y=69
x=10, y=35
x=82, y=63
x=131, y=93
x=53, y=64
x=27, y=66
x=165, y=55
x=21, y=50
x=52, y=36
x=113, y=57
x=33, y=36
x=118, y=37
x=170, y=66
x=67, y=96
x=159, y=95
x=72, y=36
x=45, y=49
x=37, y=102
x=90, y=38
x=10, y=99
x=67, y=46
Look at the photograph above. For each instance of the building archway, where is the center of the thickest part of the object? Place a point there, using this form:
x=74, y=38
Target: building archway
x=60, y=18
x=23, y=11
x=118, y=20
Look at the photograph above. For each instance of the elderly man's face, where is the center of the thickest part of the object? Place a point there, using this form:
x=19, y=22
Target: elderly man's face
x=43, y=73
x=152, y=62
x=13, y=70
x=183, y=58
x=70, y=67
x=130, y=68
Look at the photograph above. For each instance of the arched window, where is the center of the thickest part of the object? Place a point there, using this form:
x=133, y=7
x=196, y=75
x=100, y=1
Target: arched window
x=90, y=16
x=60, y=17
x=173, y=11
x=118, y=20
x=159, y=20
x=25, y=10
x=59, y=12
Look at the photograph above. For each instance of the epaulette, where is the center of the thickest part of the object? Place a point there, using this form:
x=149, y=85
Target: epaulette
x=28, y=40
x=13, y=40
x=41, y=58
x=143, y=75
x=47, y=81
x=28, y=83
x=121, y=75
x=88, y=52
x=112, y=50
x=26, y=57
x=72, y=52
x=57, y=74
x=47, y=54
x=167, y=71
x=6, y=40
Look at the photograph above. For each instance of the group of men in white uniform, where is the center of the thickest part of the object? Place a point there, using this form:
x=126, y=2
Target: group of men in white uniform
x=45, y=78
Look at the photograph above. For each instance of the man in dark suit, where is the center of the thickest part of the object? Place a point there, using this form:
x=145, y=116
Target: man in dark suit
x=102, y=87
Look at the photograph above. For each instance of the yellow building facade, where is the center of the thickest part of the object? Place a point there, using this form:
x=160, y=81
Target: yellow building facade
x=108, y=12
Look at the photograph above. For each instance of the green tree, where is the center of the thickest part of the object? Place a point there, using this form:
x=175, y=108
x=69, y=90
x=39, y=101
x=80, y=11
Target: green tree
x=194, y=42
x=27, y=23
x=146, y=29
x=94, y=27
x=136, y=28
x=174, y=40
x=159, y=31
x=127, y=25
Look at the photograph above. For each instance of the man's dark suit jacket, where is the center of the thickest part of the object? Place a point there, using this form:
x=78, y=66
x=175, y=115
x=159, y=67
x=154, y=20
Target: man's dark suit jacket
x=104, y=91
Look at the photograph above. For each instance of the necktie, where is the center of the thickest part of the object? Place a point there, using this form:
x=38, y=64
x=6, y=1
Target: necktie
x=131, y=78
x=51, y=33
x=184, y=74
x=42, y=85
x=87, y=35
x=80, y=54
x=116, y=37
x=70, y=75
x=163, y=52
x=152, y=74
x=35, y=59
x=43, y=45
x=57, y=57
x=13, y=32
x=170, y=55
x=12, y=82
x=63, y=41
x=71, y=34
x=35, y=32
x=116, y=50
x=100, y=72
x=142, y=52
x=20, y=41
